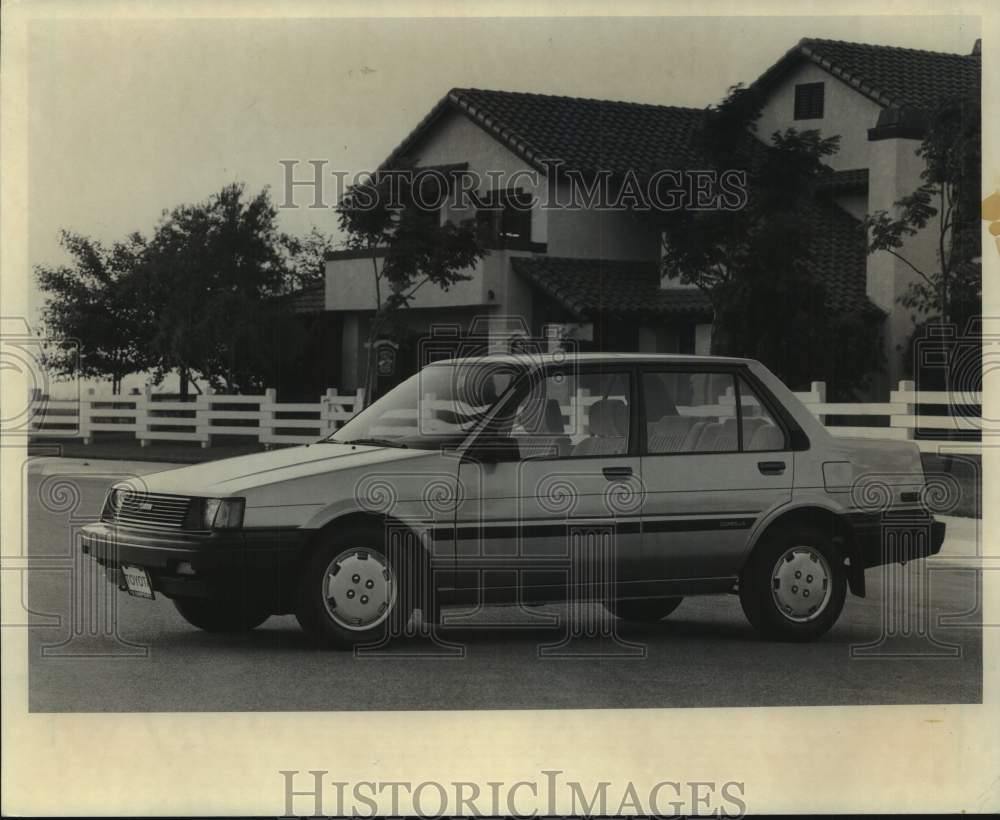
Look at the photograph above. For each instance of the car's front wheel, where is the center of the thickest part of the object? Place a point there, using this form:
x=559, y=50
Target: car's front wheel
x=350, y=592
x=794, y=585
x=646, y=610
x=221, y=616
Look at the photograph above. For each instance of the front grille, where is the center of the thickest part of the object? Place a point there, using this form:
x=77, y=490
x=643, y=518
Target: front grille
x=153, y=510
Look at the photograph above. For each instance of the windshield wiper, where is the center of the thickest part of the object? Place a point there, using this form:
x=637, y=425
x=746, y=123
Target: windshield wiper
x=374, y=442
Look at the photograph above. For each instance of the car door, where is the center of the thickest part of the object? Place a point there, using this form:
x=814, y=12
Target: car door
x=563, y=507
x=716, y=458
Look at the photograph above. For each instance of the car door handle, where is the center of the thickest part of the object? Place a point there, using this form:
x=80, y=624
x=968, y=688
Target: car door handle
x=611, y=473
x=771, y=467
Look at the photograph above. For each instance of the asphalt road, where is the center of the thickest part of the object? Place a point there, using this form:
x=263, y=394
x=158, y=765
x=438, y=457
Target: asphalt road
x=94, y=649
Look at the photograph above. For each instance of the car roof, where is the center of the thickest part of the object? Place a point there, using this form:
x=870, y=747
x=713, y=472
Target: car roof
x=588, y=358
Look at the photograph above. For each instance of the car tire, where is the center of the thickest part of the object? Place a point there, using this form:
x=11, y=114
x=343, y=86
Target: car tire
x=794, y=585
x=360, y=605
x=221, y=616
x=646, y=610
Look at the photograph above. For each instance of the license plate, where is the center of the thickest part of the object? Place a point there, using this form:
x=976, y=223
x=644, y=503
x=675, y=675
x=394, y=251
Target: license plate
x=137, y=582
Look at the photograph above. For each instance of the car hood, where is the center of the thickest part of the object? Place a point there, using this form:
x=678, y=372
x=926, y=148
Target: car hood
x=233, y=476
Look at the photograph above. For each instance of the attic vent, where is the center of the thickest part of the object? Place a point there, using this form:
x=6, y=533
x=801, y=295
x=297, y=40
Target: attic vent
x=809, y=101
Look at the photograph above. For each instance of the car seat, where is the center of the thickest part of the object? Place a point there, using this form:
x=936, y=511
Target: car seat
x=607, y=421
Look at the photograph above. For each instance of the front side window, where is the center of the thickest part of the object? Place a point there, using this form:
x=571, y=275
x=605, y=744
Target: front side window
x=439, y=406
x=571, y=415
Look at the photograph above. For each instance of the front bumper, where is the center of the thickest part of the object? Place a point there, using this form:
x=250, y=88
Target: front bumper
x=259, y=563
x=896, y=537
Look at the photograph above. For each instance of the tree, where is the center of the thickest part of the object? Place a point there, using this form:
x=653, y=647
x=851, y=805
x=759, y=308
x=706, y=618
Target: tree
x=754, y=262
x=93, y=313
x=307, y=258
x=213, y=270
x=408, y=247
x=950, y=289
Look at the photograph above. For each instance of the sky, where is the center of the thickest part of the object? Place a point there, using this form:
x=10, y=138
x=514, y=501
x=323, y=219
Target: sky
x=131, y=117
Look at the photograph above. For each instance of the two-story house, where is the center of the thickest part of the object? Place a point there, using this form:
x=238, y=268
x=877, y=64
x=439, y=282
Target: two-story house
x=877, y=99
x=571, y=265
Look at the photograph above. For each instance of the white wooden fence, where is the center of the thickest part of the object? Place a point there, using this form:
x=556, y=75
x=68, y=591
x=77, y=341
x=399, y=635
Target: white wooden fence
x=938, y=422
x=151, y=417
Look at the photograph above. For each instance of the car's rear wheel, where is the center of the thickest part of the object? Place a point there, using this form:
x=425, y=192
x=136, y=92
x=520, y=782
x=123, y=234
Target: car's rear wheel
x=794, y=585
x=221, y=616
x=646, y=610
x=350, y=591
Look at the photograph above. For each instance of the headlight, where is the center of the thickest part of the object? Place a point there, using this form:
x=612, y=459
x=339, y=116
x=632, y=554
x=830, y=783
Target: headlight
x=223, y=513
x=113, y=503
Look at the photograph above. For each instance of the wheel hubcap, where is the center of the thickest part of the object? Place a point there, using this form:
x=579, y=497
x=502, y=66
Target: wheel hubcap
x=800, y=584
x=359, y=589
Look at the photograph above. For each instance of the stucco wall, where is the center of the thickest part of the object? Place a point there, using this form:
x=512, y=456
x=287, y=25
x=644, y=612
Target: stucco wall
x=598, y=234
x=350, y=285
x=893, y=172
x=350, y=282
x=569, y=231
x=846, y=113
x=454, y=138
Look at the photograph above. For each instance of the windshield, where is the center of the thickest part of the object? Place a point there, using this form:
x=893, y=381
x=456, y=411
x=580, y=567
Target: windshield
x=439, y=406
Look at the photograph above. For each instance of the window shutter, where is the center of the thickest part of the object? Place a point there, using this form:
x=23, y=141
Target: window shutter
x=809, y=101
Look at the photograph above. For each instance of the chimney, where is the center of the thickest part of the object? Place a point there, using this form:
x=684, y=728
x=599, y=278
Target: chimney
x=977, y=49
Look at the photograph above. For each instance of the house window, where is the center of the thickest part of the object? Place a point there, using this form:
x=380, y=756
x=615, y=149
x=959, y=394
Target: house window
x=686, y=339
x=505, y=217
x=809, y=101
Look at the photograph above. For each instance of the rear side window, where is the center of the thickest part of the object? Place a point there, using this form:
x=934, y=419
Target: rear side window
x=690, y=412
x=711, y=412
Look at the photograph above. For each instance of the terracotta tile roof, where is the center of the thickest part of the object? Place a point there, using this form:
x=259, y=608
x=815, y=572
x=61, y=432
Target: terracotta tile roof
x=842, y=182
x=891, y=76
x=838, y=257
x=587, y=287
x=585, y=134
x=307, y=300
x=588, y=134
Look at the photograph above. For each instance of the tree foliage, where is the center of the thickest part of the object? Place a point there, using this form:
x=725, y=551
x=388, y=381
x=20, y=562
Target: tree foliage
x=199, y=297
x=947, y=202
x=214, y=270
x=754, y=262
x=408, y=246
x=94, y=315
x=306, y=258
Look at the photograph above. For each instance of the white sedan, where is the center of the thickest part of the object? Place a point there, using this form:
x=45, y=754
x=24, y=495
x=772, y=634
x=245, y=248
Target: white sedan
x=631, y=479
